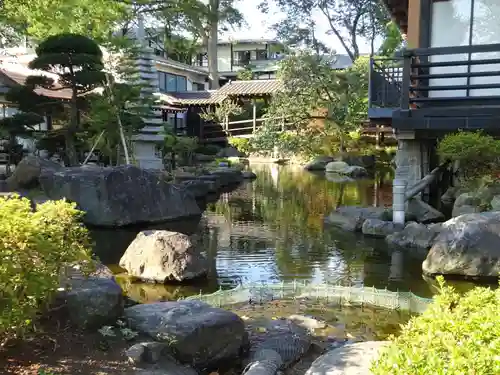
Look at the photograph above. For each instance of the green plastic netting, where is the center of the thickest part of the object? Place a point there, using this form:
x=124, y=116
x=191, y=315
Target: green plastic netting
x=334, y=294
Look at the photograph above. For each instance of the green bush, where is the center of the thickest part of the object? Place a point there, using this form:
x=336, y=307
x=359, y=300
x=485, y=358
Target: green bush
x=241, y=144
x=207, y=149
x=456, y=335
x=34, y=249
x=477, y=153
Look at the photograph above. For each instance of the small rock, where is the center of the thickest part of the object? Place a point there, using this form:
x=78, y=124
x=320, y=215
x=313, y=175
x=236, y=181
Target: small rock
x=379, y=228
x=150, y=352
x=162, y=256
x=351, y=218
x=248, y=175
x=136, y=353
x=336, y=167
x=355, y=171
x=319, y=164
x=310, y=323
x=419, y=211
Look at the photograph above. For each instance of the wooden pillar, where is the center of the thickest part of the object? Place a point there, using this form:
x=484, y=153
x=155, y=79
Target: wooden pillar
x=226, y=123
x=413, y=33
x=172, y=162
x=254, y=115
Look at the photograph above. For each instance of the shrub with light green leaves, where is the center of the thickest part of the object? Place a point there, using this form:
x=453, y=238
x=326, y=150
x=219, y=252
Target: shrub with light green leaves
x=456, y=335
x=241, y=144
x=477, y=153
x=34, y=249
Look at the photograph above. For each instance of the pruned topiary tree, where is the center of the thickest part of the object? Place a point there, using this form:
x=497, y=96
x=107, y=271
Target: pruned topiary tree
x=77, y=60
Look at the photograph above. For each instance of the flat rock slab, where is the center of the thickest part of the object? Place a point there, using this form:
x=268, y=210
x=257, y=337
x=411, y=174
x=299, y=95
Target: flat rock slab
x=351, y=359
x=197, y=333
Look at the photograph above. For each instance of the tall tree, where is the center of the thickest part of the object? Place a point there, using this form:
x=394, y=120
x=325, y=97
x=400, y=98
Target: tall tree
x=42, y=18
x=77, y=60
x=347, y=20
x=313, y=91
x=204, y=21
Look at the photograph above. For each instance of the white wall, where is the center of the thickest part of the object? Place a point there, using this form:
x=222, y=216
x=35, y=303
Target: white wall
x=486, y=30
x=450, y=26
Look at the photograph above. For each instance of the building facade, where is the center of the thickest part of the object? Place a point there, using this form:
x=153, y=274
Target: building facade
x=260, y=55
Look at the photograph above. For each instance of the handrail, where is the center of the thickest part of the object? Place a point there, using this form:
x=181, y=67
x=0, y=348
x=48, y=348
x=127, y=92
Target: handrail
x=495, y=47
x=425, y=181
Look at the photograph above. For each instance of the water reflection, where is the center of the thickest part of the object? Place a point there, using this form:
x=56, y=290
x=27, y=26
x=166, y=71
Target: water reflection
x=272, y=230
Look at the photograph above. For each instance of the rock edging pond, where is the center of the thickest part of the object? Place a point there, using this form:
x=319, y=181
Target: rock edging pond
x=466, y=246
x=123, y=195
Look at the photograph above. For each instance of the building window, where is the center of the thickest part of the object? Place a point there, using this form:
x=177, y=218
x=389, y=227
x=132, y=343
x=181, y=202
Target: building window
x=261, y=54
x=198, y=86
x=201, y=60
x=171, y=82
x=181, y=83
x=241, y=58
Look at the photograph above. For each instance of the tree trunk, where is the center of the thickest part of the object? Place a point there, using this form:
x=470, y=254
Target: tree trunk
x=71, y=131
x=213, y=37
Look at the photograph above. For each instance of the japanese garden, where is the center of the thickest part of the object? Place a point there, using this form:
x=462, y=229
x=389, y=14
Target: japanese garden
x=180, y=196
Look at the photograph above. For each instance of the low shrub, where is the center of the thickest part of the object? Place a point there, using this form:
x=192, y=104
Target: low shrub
x=34, y=249
x=241, y=144
x=207, y=149
x=477, y=153
x=457, y=334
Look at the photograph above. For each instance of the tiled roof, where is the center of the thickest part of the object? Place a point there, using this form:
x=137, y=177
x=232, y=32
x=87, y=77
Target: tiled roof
x=19, y=77
x=192, y=97
x=250, y=88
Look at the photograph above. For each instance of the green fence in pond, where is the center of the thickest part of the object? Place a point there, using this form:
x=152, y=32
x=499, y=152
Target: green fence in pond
x=335, y=294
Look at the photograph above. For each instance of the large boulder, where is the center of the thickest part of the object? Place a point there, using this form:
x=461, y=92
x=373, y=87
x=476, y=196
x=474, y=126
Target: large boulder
x=28, y=171
x=345, y=169
x=120, y=196
x=415, y=235
x=197, y=333
x=90, y=301
x=163, y=256
x=319, y=163
x=466, y=203
x=351, y=359
x=365, y=161
x=351, y=218
x=468, y=245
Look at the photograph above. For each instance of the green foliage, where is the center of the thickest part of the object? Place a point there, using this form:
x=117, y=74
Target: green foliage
x=35, y=248
x=245, y=74
x=455, y=335
x=317, y=102
x=78, y=62
x=43, y=18
x=241, y=144
x=182, y=145
x=207, y=149
x=477, y=153
x=392, y=39
x=222, y=111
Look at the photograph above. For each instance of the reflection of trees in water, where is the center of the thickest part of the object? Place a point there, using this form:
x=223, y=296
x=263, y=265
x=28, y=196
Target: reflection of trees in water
x=293, y=209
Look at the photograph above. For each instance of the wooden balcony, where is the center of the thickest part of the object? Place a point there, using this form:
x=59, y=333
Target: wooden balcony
x=450, y=88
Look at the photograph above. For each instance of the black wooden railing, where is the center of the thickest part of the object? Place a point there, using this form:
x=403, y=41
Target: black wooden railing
x=385, y=82
x=451, y=76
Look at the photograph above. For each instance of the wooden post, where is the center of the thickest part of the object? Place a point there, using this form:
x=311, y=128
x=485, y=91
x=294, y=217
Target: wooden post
x=226, y=123
x=254, y=115
x=283, y=123
x=172, y=161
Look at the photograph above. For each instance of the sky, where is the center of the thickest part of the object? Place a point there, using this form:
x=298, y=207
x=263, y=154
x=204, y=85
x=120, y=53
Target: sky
x=259, y=25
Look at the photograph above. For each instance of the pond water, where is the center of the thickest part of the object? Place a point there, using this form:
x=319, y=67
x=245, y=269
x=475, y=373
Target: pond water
x=271, y=230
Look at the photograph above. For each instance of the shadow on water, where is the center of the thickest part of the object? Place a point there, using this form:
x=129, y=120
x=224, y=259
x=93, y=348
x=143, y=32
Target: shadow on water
x=271, y=230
